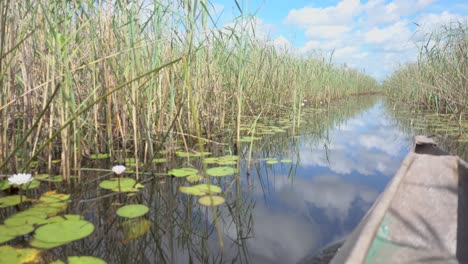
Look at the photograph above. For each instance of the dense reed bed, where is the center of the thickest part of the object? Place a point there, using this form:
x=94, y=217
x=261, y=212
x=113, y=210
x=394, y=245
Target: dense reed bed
x=82, y=77
x=439, y=79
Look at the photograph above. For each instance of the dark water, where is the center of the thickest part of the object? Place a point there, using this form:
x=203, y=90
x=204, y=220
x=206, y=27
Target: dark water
x=342, y=159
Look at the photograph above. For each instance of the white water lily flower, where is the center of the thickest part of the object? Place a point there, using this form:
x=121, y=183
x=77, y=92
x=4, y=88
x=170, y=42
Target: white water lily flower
x=20, y=179
x=118, y=169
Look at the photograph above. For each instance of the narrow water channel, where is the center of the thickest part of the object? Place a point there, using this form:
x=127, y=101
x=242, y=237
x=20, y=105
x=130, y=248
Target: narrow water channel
x=332, y=182
x=297, y=190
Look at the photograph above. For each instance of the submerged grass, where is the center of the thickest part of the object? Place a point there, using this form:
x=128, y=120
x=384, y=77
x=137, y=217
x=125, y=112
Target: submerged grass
x=85, y=77
x=439, y=79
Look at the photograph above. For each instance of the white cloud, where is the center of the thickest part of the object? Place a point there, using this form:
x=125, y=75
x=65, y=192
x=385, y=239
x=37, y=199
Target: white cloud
x=429, y=22
x=396, y=37
x=378, y=12
x=377, y=35
x=327, y=32
x=342, y=13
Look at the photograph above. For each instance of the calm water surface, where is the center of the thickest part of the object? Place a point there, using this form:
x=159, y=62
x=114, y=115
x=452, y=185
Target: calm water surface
x=342, y=159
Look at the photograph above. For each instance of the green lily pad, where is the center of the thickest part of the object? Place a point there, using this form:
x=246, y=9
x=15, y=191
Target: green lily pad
x=113, y=184
x=248, y=139
x=210, y=160
x=66, y=231
x=159, y=160
x=286, y=161
x=99, y=156
x=200, y=189
x=57, y=161
x=19, y=255
x=211, y=200
x=54, y=197
x=182, y=172
x=194, y=178
x=135, y=228
x=16, y=230
x=44, y=245
x=271, y=162
x=184, y=154
x=11, y=200
x=4, y=185
x=5, y=238
x=42, y=176
x=132, y=210
x=220, y=171
x=20, y=220
x=85, y=260
x=31, y=185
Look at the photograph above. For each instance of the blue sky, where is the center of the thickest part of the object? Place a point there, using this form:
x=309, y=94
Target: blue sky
x=375, y=36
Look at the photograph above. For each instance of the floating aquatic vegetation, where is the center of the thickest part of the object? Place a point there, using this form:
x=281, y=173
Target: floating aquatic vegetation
x=57, y=161
x=248, y=139
x=159, y=160
x=99, y=156
x=4, y=185
x=8, y=233
x=211, y=160
x=64, y=232
x=31, y=185
x=19, y=255
x=194, y=178
x=132, y=210
x=220, y=171
x=56, y=178
x=81, y=260
x=11, y=200
x=135, y=228
x=182, y=172
x=54, y=197
x=228, y=160
x=286, y=161
x=200, y=189
x=213, y=200
x=270, y=161
x=126, y=185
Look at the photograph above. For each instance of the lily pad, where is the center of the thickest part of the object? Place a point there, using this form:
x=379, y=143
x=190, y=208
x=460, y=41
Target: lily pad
x=200, y=189
x=182, y=172
x=85, y=260
x=42, y=176
x=99, y=156
x=132, y=210
x=286, y=161
x=45, y=245
x=19, y=255
x=4, y=185
x=126, y=185
x=210, y=160
x=211, y=200
x=66, y=231
x=271, y=162
x=159, y=160
x=16, y=230
x=54, y=197
x=11, y=200
x=135, y=228
x=220, y=171
x=23, y=220
x=248, y=139
x=194, y=178
x=31, y=185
